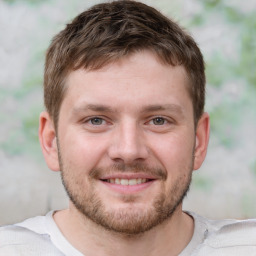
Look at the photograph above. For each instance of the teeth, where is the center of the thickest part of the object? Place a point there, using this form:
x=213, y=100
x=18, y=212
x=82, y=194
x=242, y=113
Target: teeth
x=132, y=182
x=126, y=182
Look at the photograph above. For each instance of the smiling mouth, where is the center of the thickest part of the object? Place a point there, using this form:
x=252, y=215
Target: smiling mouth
x=127, y=182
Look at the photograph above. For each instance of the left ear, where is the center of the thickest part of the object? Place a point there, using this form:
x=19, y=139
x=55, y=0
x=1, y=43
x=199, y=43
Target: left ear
x=202, y=139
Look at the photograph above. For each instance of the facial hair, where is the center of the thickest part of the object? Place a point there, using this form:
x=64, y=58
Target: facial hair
x=129, y=220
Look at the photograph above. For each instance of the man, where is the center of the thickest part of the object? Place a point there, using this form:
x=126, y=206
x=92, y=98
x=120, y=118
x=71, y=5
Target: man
x=125, y=125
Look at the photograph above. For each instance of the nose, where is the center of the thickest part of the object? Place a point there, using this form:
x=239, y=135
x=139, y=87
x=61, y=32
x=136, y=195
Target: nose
x=128, y=144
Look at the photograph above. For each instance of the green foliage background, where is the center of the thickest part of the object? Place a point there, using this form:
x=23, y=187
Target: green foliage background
x=226, y=33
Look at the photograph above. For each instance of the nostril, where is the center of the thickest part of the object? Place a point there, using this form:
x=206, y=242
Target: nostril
x=128, y=144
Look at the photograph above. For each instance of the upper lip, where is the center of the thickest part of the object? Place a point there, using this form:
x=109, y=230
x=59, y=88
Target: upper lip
x=128, y=176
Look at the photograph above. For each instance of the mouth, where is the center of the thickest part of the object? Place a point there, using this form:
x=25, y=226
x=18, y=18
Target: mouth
x=128, y=185
x=127, y=182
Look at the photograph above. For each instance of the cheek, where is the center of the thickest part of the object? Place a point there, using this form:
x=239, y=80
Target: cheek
x=173, y=150
x=175, y=154
x=82, y=152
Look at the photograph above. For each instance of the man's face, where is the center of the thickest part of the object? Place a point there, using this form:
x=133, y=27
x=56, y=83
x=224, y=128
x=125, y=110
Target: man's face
x=126, y=142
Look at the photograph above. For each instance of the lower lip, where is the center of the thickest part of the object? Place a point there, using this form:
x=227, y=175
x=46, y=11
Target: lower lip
x=128, y=189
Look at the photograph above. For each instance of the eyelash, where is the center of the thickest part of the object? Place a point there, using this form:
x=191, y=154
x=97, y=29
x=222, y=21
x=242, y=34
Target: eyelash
x=91, y=119
x=165, y=121
x=103, y=121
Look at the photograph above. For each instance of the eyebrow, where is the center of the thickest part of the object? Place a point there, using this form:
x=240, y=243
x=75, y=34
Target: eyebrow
x=146, y=109
x=93, y=107
x=167, y=107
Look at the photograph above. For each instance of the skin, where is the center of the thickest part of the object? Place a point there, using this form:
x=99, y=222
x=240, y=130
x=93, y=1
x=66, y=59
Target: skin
x=144, y=117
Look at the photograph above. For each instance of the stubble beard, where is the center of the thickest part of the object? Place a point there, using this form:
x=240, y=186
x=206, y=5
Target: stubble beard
x=129, y=220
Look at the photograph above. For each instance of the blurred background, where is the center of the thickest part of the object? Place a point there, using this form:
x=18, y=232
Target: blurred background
x=225, y=186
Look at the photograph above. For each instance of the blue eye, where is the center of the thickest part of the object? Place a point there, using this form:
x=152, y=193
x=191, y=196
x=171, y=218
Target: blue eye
x=96, y=121
x=158, y=121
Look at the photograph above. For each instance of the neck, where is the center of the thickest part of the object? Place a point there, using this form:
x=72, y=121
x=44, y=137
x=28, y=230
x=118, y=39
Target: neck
x=168, y=238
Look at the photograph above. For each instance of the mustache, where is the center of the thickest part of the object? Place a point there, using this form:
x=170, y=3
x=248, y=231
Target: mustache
x=158, y=173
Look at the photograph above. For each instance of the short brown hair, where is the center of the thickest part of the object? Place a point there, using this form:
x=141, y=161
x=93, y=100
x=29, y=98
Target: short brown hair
x=109, y=31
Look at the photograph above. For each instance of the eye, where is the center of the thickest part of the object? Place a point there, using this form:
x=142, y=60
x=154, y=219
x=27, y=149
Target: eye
x=96, y=121
x=159, y=121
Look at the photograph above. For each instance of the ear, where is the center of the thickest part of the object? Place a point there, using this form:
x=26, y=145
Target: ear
x=202, y=139
x=48, y=141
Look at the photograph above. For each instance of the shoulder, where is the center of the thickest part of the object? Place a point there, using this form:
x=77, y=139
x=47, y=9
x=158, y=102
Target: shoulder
x=20, y=239
x=32, y=228
x=228, y=237
x=14, y=234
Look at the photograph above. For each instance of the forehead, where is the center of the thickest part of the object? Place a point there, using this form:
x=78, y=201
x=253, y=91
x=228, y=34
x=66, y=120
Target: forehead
x=136, y=80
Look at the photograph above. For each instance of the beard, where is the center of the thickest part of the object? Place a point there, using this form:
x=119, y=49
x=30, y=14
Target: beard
x=128, y=219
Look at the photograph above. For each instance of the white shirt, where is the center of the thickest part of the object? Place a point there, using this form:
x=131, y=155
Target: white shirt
x=41, y=236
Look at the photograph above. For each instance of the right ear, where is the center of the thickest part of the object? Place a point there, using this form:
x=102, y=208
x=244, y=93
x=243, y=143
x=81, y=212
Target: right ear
x=48, y=141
